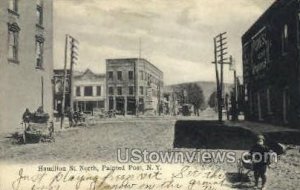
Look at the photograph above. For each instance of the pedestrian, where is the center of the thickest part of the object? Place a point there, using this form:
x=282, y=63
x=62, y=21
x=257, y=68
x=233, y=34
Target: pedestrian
x=70, y=117
x=26, y=117
x=260, y=155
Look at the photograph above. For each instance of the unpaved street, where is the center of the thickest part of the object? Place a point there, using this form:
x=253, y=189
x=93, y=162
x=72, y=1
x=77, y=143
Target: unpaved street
x=99, y=143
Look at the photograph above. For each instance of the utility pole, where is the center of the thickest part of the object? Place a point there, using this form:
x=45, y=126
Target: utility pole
x=235, y=100
x=220, y=51
x=64, y=83
x=218, y=95
x=73, y=60
x=42, y=92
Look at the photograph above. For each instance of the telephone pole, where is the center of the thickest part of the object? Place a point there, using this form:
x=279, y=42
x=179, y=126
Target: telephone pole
x=235, y=94
x=73, y=60
x=220, y=50
x=64, y=83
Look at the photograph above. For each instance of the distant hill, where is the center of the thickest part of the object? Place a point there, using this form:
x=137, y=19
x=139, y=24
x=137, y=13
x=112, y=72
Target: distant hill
x=208, y=87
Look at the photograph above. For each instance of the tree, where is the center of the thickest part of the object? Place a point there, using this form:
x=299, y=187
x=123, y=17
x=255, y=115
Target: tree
x=195, y=96
x=212, y=102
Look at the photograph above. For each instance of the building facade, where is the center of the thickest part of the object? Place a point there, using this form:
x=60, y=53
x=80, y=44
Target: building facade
x=89, y=92
x=26, y=59
x=271, y=65
x=134, y=86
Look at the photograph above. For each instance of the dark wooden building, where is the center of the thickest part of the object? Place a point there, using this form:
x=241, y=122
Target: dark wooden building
x=271, y=53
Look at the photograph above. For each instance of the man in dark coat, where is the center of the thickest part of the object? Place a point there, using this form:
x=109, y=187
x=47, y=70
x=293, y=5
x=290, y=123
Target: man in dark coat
x=27, y=116
x=260, y=154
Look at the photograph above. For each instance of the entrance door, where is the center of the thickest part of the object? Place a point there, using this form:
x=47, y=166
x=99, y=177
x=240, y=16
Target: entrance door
x=131, y=105
x=120, y=107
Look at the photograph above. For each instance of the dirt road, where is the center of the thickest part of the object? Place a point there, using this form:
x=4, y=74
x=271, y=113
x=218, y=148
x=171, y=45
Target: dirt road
x=101, y=141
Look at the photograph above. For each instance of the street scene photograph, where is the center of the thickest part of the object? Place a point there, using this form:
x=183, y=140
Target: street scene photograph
x=149, y=94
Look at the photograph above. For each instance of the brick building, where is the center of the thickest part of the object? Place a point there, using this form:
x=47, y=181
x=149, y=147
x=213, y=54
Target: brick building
x=134, y=86
x=26, y=59
x=271, y=54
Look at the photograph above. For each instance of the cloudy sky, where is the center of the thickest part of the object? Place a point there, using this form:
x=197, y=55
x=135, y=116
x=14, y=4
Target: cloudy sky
x=177, y=35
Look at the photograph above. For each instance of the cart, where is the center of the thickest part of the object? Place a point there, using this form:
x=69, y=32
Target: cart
x=38, y=132
x=244, y=168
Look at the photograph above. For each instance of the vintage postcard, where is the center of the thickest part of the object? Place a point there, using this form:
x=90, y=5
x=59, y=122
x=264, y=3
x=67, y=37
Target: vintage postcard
x=149, y=94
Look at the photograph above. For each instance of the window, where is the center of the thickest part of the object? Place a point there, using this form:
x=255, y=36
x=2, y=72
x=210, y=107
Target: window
x=39, y=50
x=285, y=36
x=13, y=35
x=141, y=90
x=13, y=5
x=119, y=89
x=111, y=90
x=119, y=74
x=39, y=14
x=130, y=90
x=110, y=75
x=88, y=91
x=141, y=75
x=130, y=75
x=78, y=91
x=98, y=90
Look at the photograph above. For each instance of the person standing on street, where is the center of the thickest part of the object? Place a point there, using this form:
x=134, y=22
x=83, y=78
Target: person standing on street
x=261, y=160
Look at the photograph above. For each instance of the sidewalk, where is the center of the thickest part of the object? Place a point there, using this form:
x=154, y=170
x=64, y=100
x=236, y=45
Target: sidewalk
x=260, y=127
x=276, y=133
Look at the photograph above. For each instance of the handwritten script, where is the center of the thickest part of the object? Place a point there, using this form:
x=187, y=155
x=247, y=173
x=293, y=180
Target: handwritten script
x=105, y=177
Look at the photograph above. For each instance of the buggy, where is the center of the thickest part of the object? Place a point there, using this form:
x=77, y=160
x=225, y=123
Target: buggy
x=244, y=168
x=35, y=128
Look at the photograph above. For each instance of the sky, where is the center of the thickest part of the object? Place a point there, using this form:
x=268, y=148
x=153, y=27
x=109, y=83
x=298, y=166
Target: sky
x=176, y=35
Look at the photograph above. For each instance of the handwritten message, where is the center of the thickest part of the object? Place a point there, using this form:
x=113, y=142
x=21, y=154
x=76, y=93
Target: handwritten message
x=118, y=176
